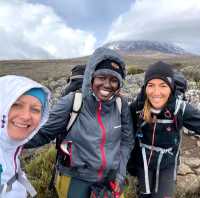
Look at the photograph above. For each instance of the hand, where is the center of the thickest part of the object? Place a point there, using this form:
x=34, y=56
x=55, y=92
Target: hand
x=115, y=188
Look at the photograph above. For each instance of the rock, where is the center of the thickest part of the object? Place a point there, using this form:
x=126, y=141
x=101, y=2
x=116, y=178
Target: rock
x=193, y=138
x=197, y=136
x=61, y=82
x=53, y=85
x=187, y=152
x=184, y=170
x=188, y=183
x=197, y=171
x=198, y=143
x=192, y=162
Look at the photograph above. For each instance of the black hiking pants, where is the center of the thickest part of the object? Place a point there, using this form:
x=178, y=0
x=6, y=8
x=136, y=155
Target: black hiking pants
x=166, y=187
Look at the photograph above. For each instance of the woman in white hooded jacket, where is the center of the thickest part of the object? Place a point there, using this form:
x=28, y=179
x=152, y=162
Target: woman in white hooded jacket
x=24, y=107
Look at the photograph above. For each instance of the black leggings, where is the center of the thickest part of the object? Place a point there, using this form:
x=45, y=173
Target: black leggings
x=166, y=187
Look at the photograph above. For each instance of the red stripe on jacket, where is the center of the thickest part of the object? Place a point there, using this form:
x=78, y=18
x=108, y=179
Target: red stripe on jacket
x=103, y=141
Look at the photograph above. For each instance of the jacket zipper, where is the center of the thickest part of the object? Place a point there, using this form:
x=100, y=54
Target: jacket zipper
x=103, y=141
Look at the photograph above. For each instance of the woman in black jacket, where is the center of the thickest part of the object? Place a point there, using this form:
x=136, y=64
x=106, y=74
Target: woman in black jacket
x=158, y=117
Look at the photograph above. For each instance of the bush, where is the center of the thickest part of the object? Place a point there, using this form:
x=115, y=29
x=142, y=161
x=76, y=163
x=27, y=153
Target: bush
x=38, y=167
x=178, y=65
x=134, y=70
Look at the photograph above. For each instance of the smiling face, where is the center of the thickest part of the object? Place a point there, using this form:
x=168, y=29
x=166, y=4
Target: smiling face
x=105, y=86
x=24, y=116
x=158, y=93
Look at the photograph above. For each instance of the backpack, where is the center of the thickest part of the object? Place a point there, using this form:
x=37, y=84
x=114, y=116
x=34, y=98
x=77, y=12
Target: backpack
x=75, y=80
x=181, y=85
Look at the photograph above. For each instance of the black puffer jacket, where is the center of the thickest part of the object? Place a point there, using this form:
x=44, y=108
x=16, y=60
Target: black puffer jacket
x=166, y=134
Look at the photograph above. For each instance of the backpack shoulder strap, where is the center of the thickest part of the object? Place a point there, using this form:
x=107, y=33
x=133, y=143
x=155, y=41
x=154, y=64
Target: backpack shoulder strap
x=78, y=99
x=77, y=104
x=119, y=104
x=180, y=104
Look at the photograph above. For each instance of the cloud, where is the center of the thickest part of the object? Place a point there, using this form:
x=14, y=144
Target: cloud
x=174, y=21
x=34, y=31
x=89, y=15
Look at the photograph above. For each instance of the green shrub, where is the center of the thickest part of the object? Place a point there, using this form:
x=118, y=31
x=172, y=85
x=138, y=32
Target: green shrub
x=39, y=168
x=178, y=65
x=134, y=70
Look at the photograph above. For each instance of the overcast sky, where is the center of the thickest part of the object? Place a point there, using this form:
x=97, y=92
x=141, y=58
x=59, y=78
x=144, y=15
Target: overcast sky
x=41, y=29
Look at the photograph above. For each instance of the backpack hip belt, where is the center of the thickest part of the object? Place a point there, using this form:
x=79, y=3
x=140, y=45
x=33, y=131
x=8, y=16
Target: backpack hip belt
x=161, y=152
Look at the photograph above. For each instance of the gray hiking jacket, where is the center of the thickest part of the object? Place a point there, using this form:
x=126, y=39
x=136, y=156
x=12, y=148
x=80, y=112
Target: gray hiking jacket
x=102, y=137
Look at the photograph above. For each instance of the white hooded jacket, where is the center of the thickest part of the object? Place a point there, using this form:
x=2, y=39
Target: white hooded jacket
x=11, y=88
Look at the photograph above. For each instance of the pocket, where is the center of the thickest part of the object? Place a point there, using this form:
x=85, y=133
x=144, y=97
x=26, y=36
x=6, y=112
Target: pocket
x=167, y=136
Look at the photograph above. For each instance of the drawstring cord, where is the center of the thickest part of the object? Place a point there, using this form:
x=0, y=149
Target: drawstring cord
x=153, y=138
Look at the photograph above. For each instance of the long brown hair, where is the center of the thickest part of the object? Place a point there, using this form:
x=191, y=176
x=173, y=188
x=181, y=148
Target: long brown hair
x=147, y=112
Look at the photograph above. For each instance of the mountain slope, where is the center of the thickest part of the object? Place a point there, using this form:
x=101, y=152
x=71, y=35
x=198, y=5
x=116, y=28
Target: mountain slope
x=147, y=47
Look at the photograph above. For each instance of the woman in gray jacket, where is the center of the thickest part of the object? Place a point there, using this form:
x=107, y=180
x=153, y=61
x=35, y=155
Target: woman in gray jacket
x=101, y=138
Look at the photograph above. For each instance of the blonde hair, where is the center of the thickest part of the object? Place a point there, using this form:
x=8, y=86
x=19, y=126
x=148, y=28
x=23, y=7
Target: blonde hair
x=147, y=112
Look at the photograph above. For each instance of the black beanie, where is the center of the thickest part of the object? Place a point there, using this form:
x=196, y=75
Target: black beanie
x=110, y=67
x=161, y=71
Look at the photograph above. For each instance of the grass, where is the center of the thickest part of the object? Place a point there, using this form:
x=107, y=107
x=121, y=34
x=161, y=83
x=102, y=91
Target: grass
x=44, y=69
x=38, y=167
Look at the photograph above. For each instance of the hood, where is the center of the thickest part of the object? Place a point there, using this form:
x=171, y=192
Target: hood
x=99, y=55
x=12, y=87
